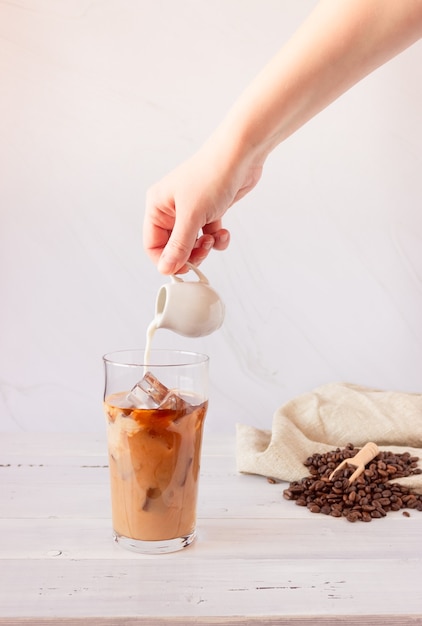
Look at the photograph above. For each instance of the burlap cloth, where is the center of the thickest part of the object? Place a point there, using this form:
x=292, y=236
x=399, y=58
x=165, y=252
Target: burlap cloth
x=329, y=417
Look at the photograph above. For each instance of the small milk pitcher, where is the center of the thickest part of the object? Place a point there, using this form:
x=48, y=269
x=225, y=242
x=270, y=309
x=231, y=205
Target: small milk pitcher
x=189, y=308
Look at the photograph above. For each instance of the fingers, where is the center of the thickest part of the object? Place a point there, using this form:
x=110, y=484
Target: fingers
x=221, y=239
x=217, y=241
x=155, y=237
x=174, y=256
x=176, y=252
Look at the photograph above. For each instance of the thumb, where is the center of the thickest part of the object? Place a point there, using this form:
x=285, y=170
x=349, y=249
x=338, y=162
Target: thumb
x=178, y=249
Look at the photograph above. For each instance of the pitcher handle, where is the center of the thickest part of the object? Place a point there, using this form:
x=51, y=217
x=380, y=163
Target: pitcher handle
x=200, y=275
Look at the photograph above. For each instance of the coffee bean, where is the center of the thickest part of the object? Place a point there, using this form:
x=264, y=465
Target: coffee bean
x=370, y=496
x=314, y=508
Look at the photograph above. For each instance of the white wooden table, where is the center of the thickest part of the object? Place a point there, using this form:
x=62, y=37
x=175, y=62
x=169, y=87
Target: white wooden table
x=259, y=559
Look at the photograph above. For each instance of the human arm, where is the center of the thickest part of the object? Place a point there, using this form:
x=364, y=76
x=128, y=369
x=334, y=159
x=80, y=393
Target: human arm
x=339, y=44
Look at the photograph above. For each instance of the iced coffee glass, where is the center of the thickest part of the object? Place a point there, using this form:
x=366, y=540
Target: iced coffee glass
x=155, y=413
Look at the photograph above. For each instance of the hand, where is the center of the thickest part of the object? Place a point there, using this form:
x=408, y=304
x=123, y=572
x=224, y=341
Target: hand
x=193, y=198
x=339, y=44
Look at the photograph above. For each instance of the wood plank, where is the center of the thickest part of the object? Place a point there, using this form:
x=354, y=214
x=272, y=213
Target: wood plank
x=51, y=489
x=295, y=539
x=279, y=620
x=82, y=490
x=161, y=587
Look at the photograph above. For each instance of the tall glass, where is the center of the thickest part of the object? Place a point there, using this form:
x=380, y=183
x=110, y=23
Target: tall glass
x=155, y=413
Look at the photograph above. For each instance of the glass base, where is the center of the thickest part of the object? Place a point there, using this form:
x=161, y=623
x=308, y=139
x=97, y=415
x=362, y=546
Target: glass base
x=154, y=547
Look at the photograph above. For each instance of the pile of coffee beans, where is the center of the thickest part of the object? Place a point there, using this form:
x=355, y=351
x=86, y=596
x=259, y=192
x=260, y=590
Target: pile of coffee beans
x=370, y=496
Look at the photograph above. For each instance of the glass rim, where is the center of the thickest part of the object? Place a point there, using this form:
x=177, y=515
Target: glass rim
x=187, y=357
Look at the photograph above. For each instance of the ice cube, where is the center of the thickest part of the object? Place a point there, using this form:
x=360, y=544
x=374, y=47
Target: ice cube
x=150, y=393
x=138, y=399
x=174, y=402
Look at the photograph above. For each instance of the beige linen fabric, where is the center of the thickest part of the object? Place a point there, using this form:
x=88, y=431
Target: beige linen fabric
x=329, y=417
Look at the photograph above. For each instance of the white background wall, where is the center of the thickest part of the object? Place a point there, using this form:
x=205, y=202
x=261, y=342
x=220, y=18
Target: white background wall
x=323, y=279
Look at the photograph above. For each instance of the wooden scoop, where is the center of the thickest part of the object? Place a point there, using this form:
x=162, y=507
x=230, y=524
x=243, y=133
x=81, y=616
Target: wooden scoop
x=366, y=454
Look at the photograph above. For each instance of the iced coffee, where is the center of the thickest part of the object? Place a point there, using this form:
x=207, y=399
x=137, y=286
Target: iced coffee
x=154, y=446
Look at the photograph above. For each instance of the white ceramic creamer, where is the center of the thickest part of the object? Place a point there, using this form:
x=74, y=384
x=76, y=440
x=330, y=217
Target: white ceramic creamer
x=189, y=308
